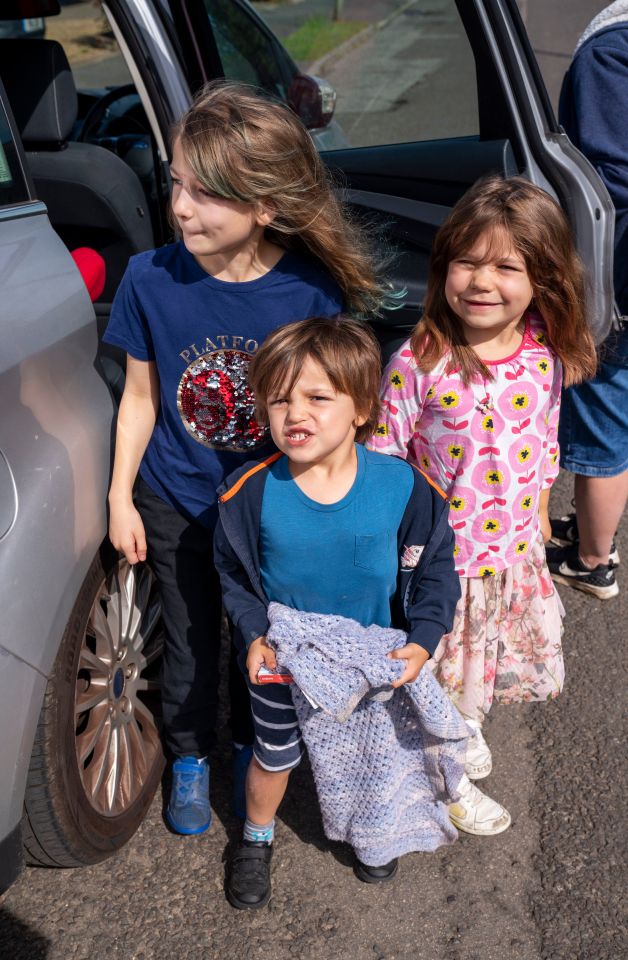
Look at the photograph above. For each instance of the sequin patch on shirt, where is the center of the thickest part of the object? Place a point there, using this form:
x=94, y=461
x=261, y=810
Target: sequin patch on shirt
x=216, y=404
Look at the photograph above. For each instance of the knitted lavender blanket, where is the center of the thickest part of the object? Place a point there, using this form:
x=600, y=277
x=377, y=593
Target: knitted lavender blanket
x=384, y=761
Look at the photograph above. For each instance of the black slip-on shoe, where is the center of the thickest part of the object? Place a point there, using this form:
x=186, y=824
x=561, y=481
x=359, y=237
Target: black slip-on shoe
x=248, y=882
x=376, y=874
x=565, y=566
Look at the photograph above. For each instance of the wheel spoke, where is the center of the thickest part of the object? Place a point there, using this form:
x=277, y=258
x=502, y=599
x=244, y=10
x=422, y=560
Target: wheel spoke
x=145, y=685
x=87, y=740
x=126, y=773
x=147, y=626
x=130, y=608
x=95, y=774
x=90, y=698
x=113, y=767
x=145, y=716
x=106, y=642
x=139, y=762
x=91, y=661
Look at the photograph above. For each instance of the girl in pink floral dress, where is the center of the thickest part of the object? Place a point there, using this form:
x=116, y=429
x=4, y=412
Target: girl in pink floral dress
x=473, y=399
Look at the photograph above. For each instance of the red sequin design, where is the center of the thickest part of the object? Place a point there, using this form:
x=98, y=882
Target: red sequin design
x=215, y=403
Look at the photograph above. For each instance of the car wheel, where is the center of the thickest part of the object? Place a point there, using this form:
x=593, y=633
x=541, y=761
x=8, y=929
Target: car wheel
x=97, y=757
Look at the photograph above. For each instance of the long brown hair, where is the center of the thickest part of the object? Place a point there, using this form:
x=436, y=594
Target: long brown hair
x=242, y=145
x=345, y=348
x=539, y=231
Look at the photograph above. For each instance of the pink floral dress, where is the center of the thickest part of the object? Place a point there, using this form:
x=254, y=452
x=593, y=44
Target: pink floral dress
x=492, y=447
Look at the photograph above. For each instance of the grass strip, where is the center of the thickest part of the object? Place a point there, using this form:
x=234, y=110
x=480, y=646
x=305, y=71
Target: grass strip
x=318, y=35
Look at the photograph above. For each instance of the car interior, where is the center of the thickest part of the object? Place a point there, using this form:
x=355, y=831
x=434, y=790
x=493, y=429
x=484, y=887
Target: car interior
x=94, y=197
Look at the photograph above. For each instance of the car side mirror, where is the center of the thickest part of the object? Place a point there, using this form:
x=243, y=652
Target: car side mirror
x=313, y=99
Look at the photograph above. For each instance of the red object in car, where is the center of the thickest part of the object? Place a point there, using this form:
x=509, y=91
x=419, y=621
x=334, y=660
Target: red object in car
x=92, y=269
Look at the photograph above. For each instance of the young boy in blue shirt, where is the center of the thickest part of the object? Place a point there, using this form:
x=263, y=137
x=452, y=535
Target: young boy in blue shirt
x=323, y=526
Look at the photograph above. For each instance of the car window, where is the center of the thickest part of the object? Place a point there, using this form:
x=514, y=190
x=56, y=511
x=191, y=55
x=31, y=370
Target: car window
x=412, y=79
x=13, y=188
x=246, y=52
x=90, y=46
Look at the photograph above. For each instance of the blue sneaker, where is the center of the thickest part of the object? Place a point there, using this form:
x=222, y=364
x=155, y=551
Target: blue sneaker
x=189, y=811
x=240, y=760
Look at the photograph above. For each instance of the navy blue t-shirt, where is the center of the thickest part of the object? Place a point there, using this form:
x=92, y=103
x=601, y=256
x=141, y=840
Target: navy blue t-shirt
x=202, y=332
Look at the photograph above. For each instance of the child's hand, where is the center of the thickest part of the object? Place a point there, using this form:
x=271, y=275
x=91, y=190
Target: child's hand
x=546, y=527
x=260, y=654
x=544, y=520
x=416, y=657
x=126, y=531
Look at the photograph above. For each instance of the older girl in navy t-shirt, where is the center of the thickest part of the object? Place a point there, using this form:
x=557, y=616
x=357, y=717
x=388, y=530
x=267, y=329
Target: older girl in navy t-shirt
x=263, y=241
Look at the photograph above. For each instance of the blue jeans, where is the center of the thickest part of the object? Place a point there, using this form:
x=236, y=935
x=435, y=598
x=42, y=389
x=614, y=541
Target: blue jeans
x=593, y=427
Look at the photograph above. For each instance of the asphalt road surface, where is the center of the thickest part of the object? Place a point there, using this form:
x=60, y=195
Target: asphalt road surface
x=550, y=888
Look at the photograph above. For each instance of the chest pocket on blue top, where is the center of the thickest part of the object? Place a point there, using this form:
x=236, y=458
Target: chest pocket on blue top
x=371, y=550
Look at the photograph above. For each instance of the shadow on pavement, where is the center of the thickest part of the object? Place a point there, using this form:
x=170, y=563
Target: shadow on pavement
x=18, y=941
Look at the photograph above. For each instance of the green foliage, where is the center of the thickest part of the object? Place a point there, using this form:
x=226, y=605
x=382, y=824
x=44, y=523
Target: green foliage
x=318, y=35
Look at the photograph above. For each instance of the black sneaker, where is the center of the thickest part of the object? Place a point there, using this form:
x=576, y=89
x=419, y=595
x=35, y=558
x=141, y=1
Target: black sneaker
x=565, y=534
x=375, y=874
x=248, y=883
x=566, y=567
x=564, y=530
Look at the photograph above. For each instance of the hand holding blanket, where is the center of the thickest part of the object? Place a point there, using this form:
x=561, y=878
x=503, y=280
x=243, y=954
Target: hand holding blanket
x=384, y=761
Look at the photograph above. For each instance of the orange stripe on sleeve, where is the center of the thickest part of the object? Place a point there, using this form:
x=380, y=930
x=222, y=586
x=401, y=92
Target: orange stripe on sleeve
x=249, y=473
x=431, y=482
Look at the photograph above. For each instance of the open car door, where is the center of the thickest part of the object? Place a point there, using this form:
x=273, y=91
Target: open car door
x=441, y=95
x=487, y=96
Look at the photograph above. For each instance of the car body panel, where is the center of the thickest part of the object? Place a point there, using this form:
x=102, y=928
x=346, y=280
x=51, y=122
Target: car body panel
x=55, y=437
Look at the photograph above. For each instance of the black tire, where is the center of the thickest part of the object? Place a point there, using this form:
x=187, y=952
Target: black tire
x=82, y=805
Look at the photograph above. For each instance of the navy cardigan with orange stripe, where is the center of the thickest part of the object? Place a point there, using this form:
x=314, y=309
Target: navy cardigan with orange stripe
x=428, y=586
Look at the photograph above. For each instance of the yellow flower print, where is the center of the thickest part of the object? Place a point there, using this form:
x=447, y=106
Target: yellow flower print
x=430, y=393
x=527, y=502
x=456, y=550
x=540, y=337
x=381, y=430
x=491, y=525
x=524, y=454
x=425, y=462
x=449, y=400
x=457, y=503
x=488, y=424
x=520, y=401
x=455, y=451
x=397, y=380
x=543, y=366
x=521, y=548
x=486, y=572
x=494, y=478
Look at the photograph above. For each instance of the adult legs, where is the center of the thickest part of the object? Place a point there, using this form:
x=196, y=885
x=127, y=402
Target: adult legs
x=600, y=503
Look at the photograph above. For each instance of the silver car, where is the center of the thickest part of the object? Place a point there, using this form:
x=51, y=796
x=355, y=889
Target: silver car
x=80, y=638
